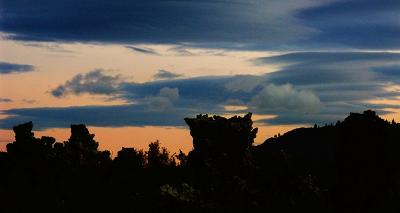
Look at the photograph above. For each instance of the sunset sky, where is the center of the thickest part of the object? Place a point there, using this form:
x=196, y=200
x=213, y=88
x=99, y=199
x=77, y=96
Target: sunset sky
x=132, y=70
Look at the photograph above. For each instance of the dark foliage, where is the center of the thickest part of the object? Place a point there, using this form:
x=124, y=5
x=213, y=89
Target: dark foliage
x=352, y=166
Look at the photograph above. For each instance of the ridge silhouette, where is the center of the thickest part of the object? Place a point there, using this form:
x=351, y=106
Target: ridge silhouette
x=351, y=166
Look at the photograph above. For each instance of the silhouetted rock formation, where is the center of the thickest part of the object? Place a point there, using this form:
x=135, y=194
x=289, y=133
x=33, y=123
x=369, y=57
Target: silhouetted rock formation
x=220, y=142
x=352, y=166
x=221, y=157
x=82, y=149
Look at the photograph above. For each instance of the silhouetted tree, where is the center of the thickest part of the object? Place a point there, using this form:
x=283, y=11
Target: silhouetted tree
x=130, y=159
x=158, y=157
x=352, y=166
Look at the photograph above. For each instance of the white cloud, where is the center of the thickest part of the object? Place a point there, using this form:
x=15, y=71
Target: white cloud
x=284, y=97
x=93, y=82
x=164, y=100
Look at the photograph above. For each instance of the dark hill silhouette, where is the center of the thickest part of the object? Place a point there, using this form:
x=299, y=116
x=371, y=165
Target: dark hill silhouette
x=352, y=166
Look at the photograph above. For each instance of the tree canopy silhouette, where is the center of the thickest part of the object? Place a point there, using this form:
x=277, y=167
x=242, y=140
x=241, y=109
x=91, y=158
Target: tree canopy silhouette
x=351, y=166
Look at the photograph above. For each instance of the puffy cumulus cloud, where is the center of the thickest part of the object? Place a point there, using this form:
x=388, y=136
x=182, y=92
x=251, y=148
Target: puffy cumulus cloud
x=343, y=81
x=8, y=68
x=165, y=74
x=198, y=89
x=336, y=76
x=164, y=100
x=275, y=98
x=94, y=82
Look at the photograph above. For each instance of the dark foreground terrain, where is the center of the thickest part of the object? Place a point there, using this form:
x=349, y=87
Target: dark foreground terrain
x=352, y=166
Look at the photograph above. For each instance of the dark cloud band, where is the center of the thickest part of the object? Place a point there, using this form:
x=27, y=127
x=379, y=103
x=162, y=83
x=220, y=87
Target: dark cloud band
x=8, y=68
x=249, y=24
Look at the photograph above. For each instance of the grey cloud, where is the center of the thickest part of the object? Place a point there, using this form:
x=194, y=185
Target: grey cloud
x=388, y=73
x=327, y=67
x=181, y=51
x=170, y=93
x=158, y=103
x=368, y=24
x=284, y=98
x=50, y=46
x=164, y=100
x=8, y=68
x=94, y=82
x=106, y=116
x=343, y=81
x=144, y=50
x=5, y=100
x=245, y=83
x=243, y=24
x=233, y=24
x=165, y=74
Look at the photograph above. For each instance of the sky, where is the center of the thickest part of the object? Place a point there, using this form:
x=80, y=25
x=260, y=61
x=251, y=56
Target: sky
x=133, y=70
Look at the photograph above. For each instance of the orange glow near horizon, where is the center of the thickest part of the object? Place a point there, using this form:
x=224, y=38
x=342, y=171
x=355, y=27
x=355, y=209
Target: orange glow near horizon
x=55, y=63
x=60, y=62
x=113, y=139
x=173, y=138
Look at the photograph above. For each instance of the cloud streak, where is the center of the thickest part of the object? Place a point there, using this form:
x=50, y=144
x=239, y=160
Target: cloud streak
x=9, y=68
x=143, y=50
x=5, y=100
x=165, y=74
